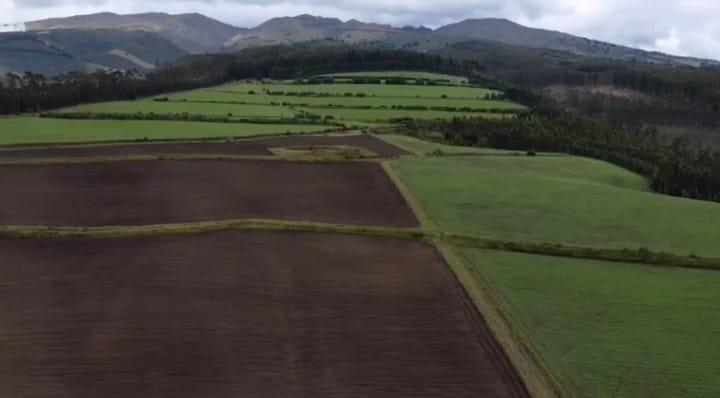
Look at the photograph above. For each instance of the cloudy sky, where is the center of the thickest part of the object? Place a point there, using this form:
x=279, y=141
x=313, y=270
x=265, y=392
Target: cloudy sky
x=683, y=27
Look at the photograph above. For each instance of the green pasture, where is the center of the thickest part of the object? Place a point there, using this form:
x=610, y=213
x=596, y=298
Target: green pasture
x=32, y=130
x=261, y=98
x=424, y=147
x=146, y=107
x=559, y=199
x=401, y=74
x=379, y=90
x=612, y=329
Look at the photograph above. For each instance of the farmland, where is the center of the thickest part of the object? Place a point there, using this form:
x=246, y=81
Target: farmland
x=613, y=329
x=559, y=199
x=266, y=239
x=33, y=130
x=325, y=315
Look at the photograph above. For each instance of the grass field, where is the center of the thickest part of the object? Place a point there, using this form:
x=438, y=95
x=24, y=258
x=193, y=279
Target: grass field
x=402, y=74
x=225, y=96
x=559, y=199
x=379, y=90
x=610, y=329
x=31, y=130
x=423, y=147
x=184, y=107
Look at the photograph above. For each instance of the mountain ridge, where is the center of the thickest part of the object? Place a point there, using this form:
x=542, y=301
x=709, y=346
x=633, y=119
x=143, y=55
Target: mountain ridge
x=195, y=33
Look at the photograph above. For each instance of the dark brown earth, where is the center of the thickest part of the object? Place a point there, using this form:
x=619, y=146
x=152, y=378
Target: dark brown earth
x=240, y=314
x=242, y=147
x=161, y=192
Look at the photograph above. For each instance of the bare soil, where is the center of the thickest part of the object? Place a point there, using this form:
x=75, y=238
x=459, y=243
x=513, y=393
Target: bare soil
x=240, y=314
x=255, y=147
x=162, y=192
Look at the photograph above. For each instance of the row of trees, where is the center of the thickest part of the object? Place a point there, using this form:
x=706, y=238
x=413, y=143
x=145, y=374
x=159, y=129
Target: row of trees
x=36, y=93
x=678, y=169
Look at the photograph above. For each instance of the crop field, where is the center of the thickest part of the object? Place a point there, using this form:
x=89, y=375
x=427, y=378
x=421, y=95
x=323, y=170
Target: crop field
x=159, y=192
x=401, y=74
x=378, y=90
x=613, y=329
x=223, y=96
x=244, y=147
x=184, y=107
x=422, y=147
x=240, y=314
x=33, y=130
x=559, y=199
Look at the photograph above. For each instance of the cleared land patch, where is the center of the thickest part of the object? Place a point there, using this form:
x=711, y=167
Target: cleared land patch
x=250, y=147
x=559, y=199
x=612, y=329
x=240, y=314
x=159, y=192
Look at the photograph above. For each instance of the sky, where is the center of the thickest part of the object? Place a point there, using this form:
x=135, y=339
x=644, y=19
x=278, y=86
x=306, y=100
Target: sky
x=681, y=27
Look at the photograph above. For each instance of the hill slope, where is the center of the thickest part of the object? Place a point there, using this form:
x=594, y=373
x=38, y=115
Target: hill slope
x=194, y=33
x=305, y=27
x=54, y=52
x=508, y=32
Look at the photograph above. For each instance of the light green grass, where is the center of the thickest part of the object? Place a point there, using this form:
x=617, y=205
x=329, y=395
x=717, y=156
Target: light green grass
x=559, y=199
x=403, y=74
x=30, y=130
x=378, y=115
x=222, y=96
x=613, y=329
x=379, y=90
x=422, y=147
x=145, y=107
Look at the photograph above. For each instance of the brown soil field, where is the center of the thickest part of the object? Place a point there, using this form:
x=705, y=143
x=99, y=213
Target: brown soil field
x=240, y=314
x=162, y=192
x=257, y=147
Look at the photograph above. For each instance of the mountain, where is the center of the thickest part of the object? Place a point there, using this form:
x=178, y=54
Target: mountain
x=303, y=28
x=287, y=30
x=194, y=33
x=143, y=39
x=54, y=52
x=508, y=32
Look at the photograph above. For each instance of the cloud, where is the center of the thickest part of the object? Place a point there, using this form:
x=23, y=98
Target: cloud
x=685, y=27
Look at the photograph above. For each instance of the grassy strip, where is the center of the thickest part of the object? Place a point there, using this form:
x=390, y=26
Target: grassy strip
x=536, y=376
x=10, y=231
x=71, y=144
x=329, y=157
x=188, y=118
x=457, y=109
x=640, y=256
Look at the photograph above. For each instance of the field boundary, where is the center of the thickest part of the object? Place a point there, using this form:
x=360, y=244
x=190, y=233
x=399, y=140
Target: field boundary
x=309, y=158
x=519, y=359
x=20, y=231
x=535, y=375
x=636, y=256
x=57, y=144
